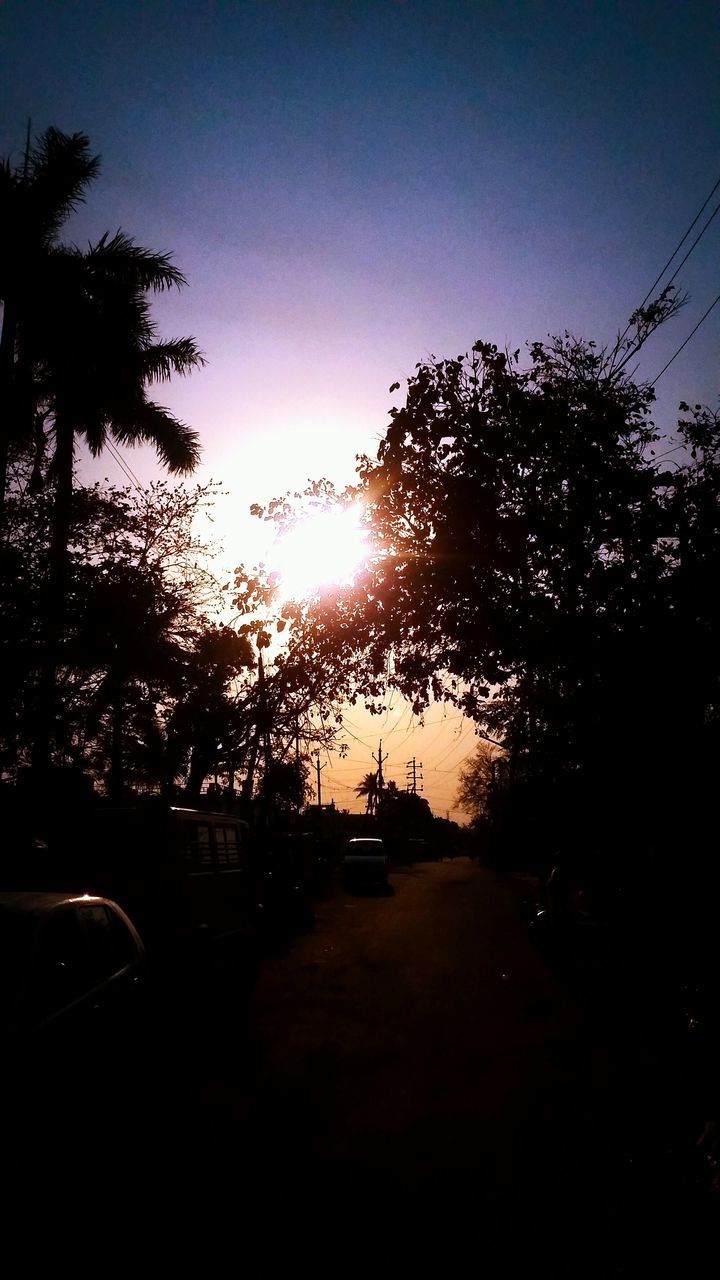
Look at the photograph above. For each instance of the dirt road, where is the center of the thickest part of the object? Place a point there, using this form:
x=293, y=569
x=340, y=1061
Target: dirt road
x=409, y=1081
x=414, y=1051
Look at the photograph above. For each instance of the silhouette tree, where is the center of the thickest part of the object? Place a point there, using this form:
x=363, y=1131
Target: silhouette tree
x=368, y=789
x=403, y=812
x=211, y=726
x=137, y=607
x=36, y=199
x=481, y=781
x=532, y=563
x=95, y=352
x=285, y=786
x=84, y=351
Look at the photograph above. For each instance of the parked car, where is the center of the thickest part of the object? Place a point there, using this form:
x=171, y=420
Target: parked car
x=282, y=894
x=70, y=966
x=186, y=877
x=364, y=863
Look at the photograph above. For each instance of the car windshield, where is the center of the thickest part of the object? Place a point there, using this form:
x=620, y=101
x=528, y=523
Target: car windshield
x=366, y=848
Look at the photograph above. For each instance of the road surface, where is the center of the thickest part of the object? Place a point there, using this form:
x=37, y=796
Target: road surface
x=413, y=1061
x=409, y=1082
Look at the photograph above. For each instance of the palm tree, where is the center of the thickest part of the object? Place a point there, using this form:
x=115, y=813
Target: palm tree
x=35, y=201
x=82, y=347
x=369, y=788
x=95, y=354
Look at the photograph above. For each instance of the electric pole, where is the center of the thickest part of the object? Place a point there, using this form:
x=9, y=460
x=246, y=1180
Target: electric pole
x=412, y=776
x=264, y=717
x=379, y=762
x=319, y=767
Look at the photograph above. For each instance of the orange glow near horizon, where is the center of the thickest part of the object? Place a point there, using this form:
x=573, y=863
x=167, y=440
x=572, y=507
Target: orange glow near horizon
x=325, y=549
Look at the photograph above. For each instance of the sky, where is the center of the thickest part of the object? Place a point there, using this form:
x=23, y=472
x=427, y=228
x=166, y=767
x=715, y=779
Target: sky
x=349, y=187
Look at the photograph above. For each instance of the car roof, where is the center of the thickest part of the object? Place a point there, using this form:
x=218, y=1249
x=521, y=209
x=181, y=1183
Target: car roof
x=365, y=840
x=36, y=903
x=207, y=813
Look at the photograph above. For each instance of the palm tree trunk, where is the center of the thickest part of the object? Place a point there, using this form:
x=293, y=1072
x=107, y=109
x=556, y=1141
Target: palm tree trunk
x=60, y=536
x=47, y=708
x=247, y=786
x=197, y=773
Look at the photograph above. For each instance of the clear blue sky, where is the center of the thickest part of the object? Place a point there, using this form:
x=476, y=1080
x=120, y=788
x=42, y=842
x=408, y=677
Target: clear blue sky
x=350, y=186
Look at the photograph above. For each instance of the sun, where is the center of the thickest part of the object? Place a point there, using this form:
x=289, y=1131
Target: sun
x=324, y=549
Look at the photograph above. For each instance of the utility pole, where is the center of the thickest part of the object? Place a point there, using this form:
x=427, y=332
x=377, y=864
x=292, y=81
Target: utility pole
x=319, y=767
x=264, y=718
x=412, y=776
x=379, y=762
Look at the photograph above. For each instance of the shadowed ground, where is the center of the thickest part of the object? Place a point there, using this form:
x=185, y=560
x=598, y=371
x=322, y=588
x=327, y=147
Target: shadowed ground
x=410, y=1076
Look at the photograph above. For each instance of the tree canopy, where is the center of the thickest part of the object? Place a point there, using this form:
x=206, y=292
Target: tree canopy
x=541, y=557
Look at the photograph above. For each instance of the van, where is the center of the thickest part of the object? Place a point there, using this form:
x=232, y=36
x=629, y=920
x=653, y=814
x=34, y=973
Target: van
x=183, y=875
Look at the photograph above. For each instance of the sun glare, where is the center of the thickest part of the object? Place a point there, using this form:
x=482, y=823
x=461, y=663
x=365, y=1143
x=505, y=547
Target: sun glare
x=326, y=549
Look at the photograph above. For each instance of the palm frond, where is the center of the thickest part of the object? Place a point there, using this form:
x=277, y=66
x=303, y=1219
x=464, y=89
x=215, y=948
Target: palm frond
x=177, y=355
x=60, y=171
x=122, y=259
x=176, y=444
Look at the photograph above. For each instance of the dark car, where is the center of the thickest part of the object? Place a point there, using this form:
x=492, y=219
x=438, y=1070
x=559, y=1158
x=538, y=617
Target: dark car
x=364, y=863
x=186, y=877
x=281, y=888
x=70, y=965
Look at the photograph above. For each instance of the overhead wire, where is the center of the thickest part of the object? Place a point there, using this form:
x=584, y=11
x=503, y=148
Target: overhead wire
x=125, y=467
x=446, y=754
x=684, y=344
x=677, y=249
x=695, y=242
x=457, y=764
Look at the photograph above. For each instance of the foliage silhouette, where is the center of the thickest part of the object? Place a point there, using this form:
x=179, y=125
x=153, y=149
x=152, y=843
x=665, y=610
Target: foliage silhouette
x=535, y=564
x=368, y=790
x=80, y=352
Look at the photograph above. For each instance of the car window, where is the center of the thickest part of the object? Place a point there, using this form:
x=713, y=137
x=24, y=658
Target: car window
x=231, y=846
x=205, y=853
x=61, y=972
x=109, y=944
x=198, y=850
x=220, y=846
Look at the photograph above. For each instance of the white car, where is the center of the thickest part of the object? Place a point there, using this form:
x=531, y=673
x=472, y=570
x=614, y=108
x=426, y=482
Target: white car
x=364, y=862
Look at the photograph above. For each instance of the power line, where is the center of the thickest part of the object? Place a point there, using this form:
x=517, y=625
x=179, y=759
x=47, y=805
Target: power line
x=675, y=251
x=344, y=786
x=446, y=754
x=678, y=247
x=127, y=474
x=125, y=467
x=122, y=460
x=696, y=241
x=458, y=763
x=684, y=344
x=344, y=729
